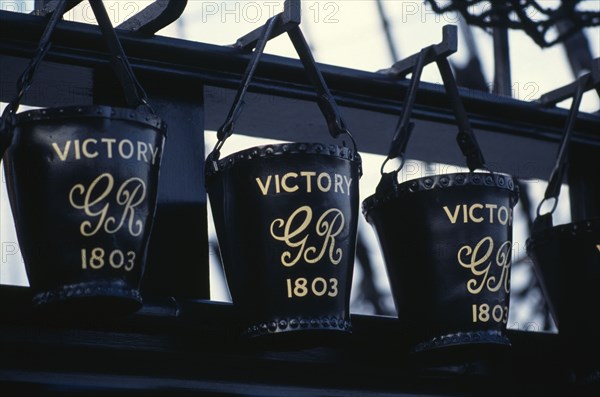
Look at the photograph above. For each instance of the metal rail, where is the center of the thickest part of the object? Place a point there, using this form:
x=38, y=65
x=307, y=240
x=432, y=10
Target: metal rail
x=520, y=134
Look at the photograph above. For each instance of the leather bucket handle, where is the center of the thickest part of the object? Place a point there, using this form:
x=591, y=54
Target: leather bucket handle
x=465, y=138
x=544, y=221
x=325, y=99
x=135, y=95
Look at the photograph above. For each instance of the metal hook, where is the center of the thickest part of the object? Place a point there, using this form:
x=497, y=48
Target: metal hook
x=447, y=47
x=145, y=23
x=288, y=19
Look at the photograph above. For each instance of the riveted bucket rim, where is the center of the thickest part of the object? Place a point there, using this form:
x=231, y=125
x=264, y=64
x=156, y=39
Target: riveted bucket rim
x=94, y=111
x=462, y=338
x=444, y=181
x=282, y=149
x=574, y=228
x=298, y=324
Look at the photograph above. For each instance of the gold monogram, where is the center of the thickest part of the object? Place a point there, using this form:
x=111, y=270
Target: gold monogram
x=130, y=194
x=472, y=259
x=293, y=232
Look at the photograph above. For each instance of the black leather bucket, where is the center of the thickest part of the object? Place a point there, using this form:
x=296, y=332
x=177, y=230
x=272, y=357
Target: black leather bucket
x=286, y=219
x=567, y=261
x=567, y=257
x=82, y=183
x=446, y=240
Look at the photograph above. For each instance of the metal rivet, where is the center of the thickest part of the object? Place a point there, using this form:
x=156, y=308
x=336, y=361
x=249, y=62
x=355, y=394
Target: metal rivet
x=283, y=324
x=294, y=323
x=272, y=326
x=428, y=183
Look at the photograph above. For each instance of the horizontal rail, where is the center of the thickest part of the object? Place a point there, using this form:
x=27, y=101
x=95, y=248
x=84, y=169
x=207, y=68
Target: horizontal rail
x=519, y=133
x=184, y=346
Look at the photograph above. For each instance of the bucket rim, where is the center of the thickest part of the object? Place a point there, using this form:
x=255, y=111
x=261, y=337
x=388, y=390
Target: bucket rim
x=480, y=337
x=281, y=149
x=443, y=181
x=91, y=111
x=574, y=228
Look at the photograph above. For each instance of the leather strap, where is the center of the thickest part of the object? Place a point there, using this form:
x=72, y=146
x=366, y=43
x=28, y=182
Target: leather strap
x=544, y=221
x=325, y=99
x=134, y=93
x=466, y=138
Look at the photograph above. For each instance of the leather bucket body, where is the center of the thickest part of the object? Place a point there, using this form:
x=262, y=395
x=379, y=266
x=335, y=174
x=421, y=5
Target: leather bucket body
x=82, y=184
x=286, y=220
x=567, y=261
x=447, y=244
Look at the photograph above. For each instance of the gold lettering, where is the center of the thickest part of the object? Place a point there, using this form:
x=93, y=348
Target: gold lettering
x=264, y=188
x=492, y=207
x=308, y=175
x=321, y=187
x=277, y=185
x=154, y=152
x=142, y=150
x=338, y=183
x=130, y=195
x=506, y=217
x=109, y=142
x=89, y=202
x=85, y=151
x=62, y=155
x=294, y=232
x=288, y=234
x=502, y=260
x=474, y=263
x=474, y=213
x=286, y=187
x=453, y=217
x=470, y=258
x=348, y=183
x=121, y=149
x=473, y=218
x=325, y=228
x=77, y=151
